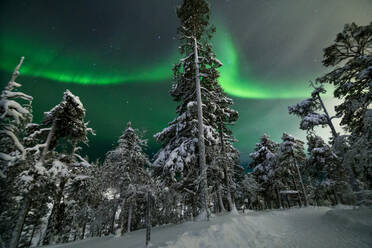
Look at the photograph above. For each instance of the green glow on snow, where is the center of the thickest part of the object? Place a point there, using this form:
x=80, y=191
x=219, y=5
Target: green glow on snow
x=55, y=64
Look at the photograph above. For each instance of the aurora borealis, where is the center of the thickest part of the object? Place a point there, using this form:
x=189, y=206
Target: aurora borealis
x=41, y=57
x=118, y=57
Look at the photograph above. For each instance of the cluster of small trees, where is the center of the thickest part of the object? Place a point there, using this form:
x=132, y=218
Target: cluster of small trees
x=51, y=194
x=338, y=172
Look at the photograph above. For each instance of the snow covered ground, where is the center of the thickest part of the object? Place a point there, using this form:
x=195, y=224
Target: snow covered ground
x=305, y=227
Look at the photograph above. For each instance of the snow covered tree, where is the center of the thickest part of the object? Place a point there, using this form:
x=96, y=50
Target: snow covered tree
x=359, y=155
x=14, y=116
x=127, y=169
x=352, y=52
x=290, y=157
x=308, y=111
x=327, y=175
x=15, y=113
x=178, y=159
x=225, y=169
x=248, y=189
x=264, y=166
x=66, y=120
x=43, y=167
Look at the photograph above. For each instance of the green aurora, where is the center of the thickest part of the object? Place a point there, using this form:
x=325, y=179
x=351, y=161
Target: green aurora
x=119, y=61
x=52, y=63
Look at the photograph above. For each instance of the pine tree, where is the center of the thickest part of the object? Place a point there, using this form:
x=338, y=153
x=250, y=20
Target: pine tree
x=127, y=167
x=15, y=113
x=248, y=190
x=264, y=166
x=308, y=111
x=352, y=52
x=66, y=120
x=291, y=156
x=359, y=155
x=325, y=169
x=178, y=158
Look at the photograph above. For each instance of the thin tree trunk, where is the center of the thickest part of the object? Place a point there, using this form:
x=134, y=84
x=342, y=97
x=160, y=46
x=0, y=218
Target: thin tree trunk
x=129, y=216
x=204, y=213
x=122, y=217
x=47, y=143
x=330, y=124
x=232, y=206
x=298, y=193
x=20, y=222
x=336, y=197
x=75, y=234
x=51, y=231
x=222, y=207
x=279, y=199
x=287, y=199
x=352, y=179
x=112, y=227
x=83, y=231
x=32, y=236
x=148, y=220
x=302, y=185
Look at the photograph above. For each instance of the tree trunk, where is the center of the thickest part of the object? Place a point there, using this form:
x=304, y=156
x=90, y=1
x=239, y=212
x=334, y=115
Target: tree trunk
x=336, y=197
x=32, y=236
x=148, y=220
x=288, y=203
x=129, y=216
x=204, y=213
x=298, y=193
x=232, y=206
x=20, y=222
x=302, y=185
x=279, y=198
x=112, y=227
x=352, y=179
x=83, y=231
x=220, y=202
x=330, y=124
x=52, y=226
x=47, y=143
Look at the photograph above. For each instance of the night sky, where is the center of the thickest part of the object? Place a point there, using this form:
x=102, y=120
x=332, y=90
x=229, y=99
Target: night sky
x=117, y=56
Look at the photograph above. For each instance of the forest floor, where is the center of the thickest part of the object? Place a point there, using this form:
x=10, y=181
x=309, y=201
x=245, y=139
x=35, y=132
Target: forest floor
x=341, y=227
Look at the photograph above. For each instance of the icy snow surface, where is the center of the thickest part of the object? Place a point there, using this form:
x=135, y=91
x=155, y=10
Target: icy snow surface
x=305, y=227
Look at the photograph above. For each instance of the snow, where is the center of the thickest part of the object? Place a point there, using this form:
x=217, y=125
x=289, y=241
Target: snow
x=298, y=227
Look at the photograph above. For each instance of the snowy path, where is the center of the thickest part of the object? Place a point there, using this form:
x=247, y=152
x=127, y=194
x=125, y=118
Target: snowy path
x=306, y=227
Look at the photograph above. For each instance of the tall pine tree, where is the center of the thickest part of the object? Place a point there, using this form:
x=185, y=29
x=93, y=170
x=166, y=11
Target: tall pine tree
x=181, y=159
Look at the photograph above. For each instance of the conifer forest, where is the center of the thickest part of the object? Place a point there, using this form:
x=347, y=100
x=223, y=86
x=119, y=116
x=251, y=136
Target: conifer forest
x=211, y=151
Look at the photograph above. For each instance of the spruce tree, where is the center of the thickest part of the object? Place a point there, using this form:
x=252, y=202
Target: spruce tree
x=127, y=169
x=359, y=155
x=325, y=169
x=264, y=166
x=291, y=156
x=180, y=159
